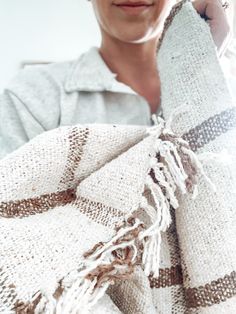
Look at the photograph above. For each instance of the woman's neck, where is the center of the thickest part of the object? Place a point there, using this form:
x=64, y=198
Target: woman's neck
x=135, y=66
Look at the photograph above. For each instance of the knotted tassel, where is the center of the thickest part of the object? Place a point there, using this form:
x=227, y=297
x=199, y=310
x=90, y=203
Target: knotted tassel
x=103, y=264
x=173, y=165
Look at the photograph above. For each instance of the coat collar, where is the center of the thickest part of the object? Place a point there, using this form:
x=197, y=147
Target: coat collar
x=90, y=73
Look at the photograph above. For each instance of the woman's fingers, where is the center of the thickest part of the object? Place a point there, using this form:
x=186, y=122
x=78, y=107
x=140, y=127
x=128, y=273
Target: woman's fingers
x=216, y=16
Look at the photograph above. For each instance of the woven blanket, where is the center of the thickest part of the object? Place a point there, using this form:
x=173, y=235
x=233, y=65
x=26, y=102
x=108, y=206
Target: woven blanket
x=103, y=218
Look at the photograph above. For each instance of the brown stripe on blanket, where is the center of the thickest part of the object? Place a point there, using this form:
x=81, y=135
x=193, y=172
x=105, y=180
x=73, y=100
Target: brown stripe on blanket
x=210, y=129
x=98, y=212
x=212, y=293
x=31, y=206
x=77, y=138
x=167, y=277
x=174, y=10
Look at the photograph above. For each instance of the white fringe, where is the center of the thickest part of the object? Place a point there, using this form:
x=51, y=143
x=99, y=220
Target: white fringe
x=169, y=177
x=195, y=161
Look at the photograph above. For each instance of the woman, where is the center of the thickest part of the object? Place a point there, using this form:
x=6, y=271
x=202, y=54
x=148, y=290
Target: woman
x=117, y=83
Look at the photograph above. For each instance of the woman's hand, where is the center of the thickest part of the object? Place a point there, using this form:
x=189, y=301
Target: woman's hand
x=218, y=20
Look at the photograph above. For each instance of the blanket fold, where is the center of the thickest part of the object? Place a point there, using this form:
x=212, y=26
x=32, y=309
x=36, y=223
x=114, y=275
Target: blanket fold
x=79, y=244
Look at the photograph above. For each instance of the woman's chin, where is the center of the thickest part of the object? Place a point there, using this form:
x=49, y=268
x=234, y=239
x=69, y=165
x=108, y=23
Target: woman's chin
x=135, y=39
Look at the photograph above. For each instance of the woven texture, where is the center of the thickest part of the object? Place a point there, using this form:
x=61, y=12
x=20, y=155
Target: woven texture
x=130, y=219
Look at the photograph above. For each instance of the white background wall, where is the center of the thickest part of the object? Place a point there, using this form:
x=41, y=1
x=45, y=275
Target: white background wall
x=43, y=30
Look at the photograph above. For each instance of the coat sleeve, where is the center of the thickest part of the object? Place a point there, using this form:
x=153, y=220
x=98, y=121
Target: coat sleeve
x=28, y=106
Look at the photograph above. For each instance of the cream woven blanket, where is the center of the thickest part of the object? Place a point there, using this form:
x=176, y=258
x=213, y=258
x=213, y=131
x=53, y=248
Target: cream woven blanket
x=130, y=219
